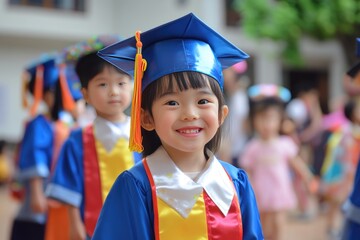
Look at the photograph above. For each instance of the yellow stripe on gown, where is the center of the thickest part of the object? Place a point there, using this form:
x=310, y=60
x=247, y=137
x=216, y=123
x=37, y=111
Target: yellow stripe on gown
x=173, y=226
x=112, y=163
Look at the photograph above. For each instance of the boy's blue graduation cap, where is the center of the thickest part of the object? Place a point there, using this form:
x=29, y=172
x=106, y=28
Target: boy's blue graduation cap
x=185, y=44
x=358, y=47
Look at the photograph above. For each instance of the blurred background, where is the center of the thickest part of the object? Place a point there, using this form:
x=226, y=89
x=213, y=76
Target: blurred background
x=296, y=44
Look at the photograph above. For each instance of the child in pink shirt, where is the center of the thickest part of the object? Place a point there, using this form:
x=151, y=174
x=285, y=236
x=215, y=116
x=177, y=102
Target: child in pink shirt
x=269, y=158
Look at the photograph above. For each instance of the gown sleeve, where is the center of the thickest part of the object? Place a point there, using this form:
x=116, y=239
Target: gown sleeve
x=67, y=184
x=127, y=212
x=249, y=210
x=35, y=152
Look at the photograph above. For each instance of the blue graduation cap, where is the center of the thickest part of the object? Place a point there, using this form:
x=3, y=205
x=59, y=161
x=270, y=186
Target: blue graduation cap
x=358, y=47
x=44, y=73
x=185, y=44
x=73, y=82
x=47, y=64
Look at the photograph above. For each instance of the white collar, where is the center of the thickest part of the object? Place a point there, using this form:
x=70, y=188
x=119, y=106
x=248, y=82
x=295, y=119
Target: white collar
x=181, y=192
x=108, y=133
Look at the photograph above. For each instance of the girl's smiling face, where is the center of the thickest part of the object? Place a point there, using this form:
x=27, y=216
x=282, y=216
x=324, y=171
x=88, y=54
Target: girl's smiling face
x=185, y=120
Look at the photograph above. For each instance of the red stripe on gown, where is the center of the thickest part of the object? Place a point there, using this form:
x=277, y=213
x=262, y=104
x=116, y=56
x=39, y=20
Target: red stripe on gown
x=220, y=226
x=154, y=199
x=92, y=182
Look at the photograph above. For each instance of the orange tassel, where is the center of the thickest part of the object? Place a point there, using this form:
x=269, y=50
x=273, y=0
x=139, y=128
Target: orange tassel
x=67, y=99
x=24, y=79
x=38, y=91
x=135, y=143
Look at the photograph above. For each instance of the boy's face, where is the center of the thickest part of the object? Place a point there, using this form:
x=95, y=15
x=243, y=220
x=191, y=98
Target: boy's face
x=109, y=92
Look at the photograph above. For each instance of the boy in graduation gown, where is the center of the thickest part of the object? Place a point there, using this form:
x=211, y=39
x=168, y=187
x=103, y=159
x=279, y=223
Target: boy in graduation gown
x=57, y=223
x=92, y=157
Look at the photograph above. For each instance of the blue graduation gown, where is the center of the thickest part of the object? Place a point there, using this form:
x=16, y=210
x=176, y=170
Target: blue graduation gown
x=35, y=158
x=351, y=229
x=67, y=183
x=128, y=210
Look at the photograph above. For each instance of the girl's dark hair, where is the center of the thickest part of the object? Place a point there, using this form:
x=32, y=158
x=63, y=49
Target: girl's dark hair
x=31, y=86
x=264, y=104
x=55, y=89
x=88, y=66
x=180, y=81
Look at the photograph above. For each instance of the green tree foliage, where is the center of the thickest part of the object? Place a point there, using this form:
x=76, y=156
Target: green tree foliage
x=286, y=21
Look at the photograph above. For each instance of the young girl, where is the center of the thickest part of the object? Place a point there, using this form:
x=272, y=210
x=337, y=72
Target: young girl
x=180, y=190
x=39, y=144
x=93, y=156
x=269, y=158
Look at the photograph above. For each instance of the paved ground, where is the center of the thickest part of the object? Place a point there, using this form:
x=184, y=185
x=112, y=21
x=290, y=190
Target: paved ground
x=295, y=229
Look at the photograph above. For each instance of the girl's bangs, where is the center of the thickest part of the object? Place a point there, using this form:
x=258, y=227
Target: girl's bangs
x=181, y=81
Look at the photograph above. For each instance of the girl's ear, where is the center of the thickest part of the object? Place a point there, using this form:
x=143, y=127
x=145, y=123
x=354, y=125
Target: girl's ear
x=147, y=122
x=224, y=112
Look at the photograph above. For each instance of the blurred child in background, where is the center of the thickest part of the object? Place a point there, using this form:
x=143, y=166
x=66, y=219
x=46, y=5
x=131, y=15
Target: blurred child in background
x=57, y=224
x=93, y=156
x=269, y=158
x=341, y=159
x=35, y=156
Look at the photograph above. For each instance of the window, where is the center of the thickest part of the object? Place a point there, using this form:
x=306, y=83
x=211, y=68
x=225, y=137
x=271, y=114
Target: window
x=233, y=16
x=68, y=5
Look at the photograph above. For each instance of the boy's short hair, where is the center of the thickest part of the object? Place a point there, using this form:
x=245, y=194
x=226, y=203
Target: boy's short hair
x=88, y=66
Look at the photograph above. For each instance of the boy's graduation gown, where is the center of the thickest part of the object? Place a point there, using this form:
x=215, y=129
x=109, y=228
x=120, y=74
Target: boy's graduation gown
x=86, y=169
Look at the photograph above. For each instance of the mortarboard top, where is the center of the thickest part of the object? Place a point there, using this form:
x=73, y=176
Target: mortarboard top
x=261, y=91
x=48, y=62
x=185, y=44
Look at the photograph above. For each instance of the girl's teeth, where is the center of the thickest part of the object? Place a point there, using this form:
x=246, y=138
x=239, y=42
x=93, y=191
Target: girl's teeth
x=190, y=131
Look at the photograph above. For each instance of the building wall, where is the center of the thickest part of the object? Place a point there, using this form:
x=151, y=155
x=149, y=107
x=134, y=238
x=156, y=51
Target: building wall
x=27, y=32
